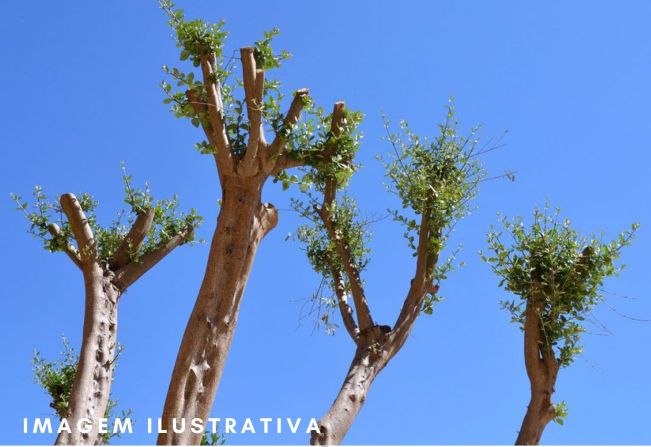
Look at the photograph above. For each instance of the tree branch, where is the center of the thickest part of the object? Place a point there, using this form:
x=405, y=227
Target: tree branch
x=532, y=344
x=359, y=298
x=133, y=240
x=80, y=227
x=68, y=249
x=253, y=91
x=128, y=274
x=421, y=284
x=344, y=307
x=277, y=148
x=216, y=114
x=364, y=318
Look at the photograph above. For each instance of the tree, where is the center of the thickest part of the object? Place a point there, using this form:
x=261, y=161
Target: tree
x=110, y=259
x=245, y=161
x=435, y=180
x=557, y=276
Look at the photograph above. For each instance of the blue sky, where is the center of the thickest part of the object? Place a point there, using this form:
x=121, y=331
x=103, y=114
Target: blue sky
x=568, y=80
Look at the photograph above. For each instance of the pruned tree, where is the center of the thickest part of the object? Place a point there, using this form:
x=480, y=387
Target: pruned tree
x=434, y=180
x=110, y=260
x=557, y=276
x=235, y=136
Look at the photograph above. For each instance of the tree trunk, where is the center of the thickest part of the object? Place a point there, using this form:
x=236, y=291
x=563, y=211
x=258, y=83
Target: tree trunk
x=539, y=413
x=242, y=223
x=90, y=392
x=367, y=364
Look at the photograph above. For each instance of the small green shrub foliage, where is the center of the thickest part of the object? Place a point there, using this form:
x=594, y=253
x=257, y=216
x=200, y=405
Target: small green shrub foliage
x=550, y=261
x=44, y=215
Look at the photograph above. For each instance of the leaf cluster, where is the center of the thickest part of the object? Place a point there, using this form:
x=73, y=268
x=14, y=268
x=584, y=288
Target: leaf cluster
x=195, y=38
x=304, y=140
x=559, y=272
x=209, y=438
x=199, y=40
x=329, y=156
x=167, y=223
x=436, y=178
x=321, y=250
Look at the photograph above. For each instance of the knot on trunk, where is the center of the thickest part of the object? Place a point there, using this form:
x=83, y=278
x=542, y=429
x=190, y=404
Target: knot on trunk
x=319, y=437
x=268, y=217
x=374, y=334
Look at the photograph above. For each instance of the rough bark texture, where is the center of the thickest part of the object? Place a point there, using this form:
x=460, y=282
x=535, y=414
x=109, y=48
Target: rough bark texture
x=104, y=283
x=376, y=345
x=542, y=369
x=242, y=223
x=91, y=389
x=370, y=358
x=539, y=413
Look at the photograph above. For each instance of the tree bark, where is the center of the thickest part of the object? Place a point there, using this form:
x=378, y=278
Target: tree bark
x=542, y=370
x=90, y=392
x=364, y=368
x=242, y=224
x=376, y=345
x=91, y=389
x=539, y=413
x=375, y=348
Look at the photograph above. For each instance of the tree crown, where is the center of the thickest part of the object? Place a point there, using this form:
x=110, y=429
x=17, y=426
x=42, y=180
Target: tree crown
x=435, y=180
x=48, y=222
x=551, y=266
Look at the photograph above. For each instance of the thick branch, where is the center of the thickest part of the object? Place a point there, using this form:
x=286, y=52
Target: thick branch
x=532, y=341
x=344, y=307
x=68, y=249
x=284, y=162
x=277, y=148
x=542, y=369
x=253, y=90
x=128, y=274
x=540, y=360
x=359, y=299
x=421, y=284
x=80, y=227
x=361, y=306
x=216, y=113
x=133, y=240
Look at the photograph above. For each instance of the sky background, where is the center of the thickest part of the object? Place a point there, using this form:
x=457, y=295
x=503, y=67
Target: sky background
x=568, y=80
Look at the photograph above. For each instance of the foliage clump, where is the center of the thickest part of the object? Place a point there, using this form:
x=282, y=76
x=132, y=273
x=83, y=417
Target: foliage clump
x=209, y=438
x=552, y=267
x=303, y=140
x=435, y=181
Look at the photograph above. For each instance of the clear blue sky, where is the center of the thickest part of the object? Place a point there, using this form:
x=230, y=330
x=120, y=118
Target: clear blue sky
x=569, y=80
